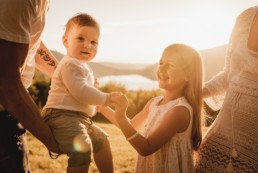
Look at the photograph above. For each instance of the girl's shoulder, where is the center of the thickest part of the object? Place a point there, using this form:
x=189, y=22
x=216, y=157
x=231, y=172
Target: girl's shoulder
x=183, y=102
x=155, y=100
x=184, y=109
x=175, y=104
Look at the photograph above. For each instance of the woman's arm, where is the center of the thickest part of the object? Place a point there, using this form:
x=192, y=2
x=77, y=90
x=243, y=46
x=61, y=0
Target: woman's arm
x=219, y=83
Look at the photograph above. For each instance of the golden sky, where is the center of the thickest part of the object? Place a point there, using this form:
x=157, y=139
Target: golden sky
x=137, y=31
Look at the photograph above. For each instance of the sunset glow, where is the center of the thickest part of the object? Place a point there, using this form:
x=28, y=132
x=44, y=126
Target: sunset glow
x=138, y=31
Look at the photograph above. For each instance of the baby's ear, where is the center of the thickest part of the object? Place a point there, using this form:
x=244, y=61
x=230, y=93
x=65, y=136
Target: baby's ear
x=65, y=41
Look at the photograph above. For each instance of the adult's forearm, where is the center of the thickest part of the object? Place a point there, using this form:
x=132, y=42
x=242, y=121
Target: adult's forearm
x=216, y=86
x=20, y=105
x=13, y=95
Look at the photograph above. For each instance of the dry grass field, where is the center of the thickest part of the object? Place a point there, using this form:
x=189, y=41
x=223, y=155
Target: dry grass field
x=123, y=154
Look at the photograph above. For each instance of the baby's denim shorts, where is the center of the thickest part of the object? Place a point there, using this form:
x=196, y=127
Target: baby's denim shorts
x=75, y=133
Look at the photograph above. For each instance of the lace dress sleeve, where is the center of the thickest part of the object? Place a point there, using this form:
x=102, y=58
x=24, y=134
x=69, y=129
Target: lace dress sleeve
x=237, y=59
x=218, y=84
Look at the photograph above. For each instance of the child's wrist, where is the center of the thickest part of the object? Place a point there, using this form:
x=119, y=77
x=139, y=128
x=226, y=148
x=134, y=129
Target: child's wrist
x=98, y=109
x=106, y=100
x=120, y=116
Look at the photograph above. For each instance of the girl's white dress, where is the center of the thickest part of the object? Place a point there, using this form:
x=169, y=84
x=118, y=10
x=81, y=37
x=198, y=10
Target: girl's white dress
x=176, y=155
x=231, y=144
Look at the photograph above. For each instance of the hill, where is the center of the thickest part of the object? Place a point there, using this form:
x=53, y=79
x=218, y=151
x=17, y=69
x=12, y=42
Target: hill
x=213, y=60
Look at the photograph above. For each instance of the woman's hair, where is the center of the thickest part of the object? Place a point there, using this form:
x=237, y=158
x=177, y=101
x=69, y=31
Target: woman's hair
x=81, y=19
x=191, y=63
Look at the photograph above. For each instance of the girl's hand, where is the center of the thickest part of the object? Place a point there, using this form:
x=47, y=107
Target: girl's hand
x=111, y=99
x=117, y=100
x=120, y=103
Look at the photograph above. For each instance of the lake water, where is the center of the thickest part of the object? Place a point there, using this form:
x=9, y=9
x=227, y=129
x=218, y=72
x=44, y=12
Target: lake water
x=131, y=82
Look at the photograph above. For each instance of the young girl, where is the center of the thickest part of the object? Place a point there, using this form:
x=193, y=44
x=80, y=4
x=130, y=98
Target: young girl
x=73, y=97
x=172, y=121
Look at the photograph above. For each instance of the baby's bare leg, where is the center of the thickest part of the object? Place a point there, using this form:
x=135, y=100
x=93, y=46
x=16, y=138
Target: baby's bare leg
x=103, y=158
x=79, y=169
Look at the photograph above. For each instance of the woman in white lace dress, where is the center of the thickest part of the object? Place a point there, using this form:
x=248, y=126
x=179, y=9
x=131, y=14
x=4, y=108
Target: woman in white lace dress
x=172, y=121
x=231, y=144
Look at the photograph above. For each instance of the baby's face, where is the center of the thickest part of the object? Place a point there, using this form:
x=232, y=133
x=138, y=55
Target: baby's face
x=81, y=42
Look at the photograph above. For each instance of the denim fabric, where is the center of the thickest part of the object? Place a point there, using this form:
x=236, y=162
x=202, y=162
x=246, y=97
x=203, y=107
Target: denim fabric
x=13, y=146
x=75, y=134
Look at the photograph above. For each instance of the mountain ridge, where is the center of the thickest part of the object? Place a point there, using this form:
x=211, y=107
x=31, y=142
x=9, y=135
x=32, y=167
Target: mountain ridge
x=213, y=61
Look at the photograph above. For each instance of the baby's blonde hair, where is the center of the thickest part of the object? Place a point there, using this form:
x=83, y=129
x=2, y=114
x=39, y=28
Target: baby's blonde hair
x=81, y=19
x=191, y=63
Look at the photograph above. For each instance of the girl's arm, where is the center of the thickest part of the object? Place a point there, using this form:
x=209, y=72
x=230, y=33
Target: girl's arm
x=140, y=119
x=175, y=121
x=108, y=113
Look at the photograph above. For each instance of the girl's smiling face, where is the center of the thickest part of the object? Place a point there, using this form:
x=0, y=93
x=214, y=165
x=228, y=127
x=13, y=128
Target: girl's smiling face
x=81, y=42
x=170, y=74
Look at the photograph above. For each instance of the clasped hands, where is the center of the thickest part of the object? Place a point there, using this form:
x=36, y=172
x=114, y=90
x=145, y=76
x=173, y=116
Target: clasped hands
x=119, y=101
x=114, y=99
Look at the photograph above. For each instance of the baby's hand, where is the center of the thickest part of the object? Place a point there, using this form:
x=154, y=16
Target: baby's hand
x=110, y=99
x=96, y=83
x=118, y=100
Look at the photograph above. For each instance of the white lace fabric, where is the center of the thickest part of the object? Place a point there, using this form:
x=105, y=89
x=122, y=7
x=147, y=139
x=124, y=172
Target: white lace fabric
x=232, y=141
x=239, y=59
x=176, y=155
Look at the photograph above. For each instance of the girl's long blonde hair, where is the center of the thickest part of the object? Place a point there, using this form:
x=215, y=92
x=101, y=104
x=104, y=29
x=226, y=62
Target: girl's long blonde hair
x=191, y=63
